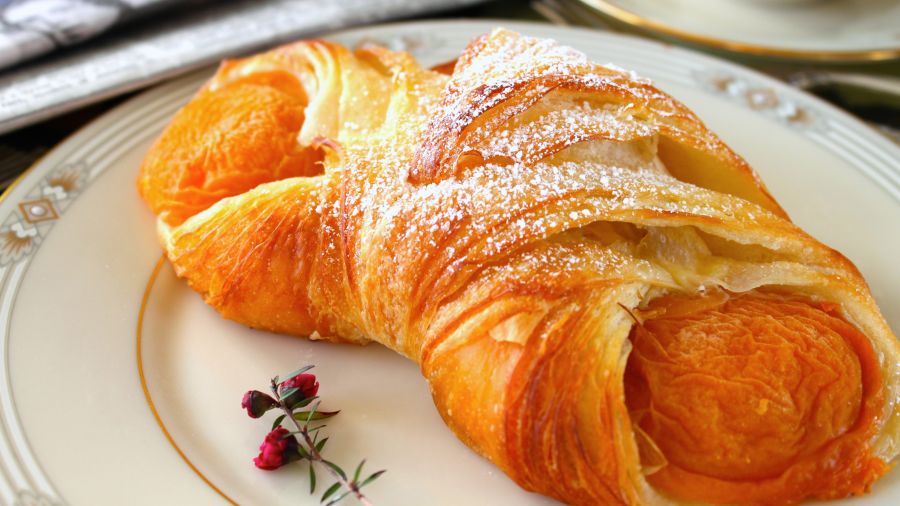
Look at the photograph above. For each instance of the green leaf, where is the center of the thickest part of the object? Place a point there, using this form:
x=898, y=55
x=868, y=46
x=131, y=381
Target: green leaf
x=358, y=470
x=336, y=468
x=331, y=490
x=304, y=416
x=278, y=421
x=287, y=393
x=303, y=452
x=338, y=498
x=315, y=429
x=304, y=402
x=312, y=412
x=321, y=444
x=312, y=479
x=372, y=477
x=298, y=372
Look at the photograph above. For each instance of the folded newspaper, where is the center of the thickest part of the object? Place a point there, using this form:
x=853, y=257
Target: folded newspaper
x=176, y=36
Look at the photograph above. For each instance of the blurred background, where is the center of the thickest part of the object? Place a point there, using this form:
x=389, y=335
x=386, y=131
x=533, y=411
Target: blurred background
x=63, y=62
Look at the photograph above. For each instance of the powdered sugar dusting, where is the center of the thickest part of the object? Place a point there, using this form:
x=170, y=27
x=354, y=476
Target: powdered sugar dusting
x=568, y=159
x=510, y=167
x=503, y=78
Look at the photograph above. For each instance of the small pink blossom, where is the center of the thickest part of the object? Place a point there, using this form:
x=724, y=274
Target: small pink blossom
x=277, y=450
x=306, y=385
x=257, y=403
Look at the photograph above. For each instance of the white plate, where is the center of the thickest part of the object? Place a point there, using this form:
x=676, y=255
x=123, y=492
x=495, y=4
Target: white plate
x=78, y=250
x=824, y=30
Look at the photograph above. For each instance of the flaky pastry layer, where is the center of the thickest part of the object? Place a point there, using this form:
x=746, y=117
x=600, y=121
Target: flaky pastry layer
x=503, y=226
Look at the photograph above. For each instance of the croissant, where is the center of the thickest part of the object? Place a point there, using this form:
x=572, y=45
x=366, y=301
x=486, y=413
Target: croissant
x=605, y=300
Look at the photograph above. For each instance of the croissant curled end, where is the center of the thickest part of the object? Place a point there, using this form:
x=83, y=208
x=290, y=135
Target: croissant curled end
x=759, y=398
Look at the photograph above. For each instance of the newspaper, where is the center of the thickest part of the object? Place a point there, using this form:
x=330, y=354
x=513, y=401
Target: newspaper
x=188, y=35
x=30, y=28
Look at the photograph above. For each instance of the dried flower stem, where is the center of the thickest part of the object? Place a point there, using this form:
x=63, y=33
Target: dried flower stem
x=315, y=456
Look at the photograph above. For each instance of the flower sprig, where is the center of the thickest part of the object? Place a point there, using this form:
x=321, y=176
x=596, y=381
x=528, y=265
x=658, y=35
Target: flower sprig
x=283, y=446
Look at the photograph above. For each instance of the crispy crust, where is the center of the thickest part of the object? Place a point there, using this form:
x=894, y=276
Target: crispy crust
x=512, y=262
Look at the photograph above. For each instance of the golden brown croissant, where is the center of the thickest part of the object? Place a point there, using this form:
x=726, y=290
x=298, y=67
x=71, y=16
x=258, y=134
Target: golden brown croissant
x=603, y=297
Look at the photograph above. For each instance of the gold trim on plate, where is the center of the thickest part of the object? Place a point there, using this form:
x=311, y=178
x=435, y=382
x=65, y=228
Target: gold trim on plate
x=140, y=365
x=609, y=10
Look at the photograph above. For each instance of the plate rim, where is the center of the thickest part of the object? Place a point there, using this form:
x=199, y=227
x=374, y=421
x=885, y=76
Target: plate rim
x=620, y=14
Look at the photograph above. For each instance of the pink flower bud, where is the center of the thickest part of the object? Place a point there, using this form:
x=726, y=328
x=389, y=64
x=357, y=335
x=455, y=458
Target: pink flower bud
x=306, y=385
x=277, y=450
x=257, y=403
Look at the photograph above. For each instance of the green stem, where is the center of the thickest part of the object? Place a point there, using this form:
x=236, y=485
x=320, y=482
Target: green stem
x=315, y=456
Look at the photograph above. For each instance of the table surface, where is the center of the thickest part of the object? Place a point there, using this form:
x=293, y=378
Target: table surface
x=19, y=149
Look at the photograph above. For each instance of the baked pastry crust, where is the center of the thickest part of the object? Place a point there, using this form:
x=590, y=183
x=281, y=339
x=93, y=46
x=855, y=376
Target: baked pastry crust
x=500, y=226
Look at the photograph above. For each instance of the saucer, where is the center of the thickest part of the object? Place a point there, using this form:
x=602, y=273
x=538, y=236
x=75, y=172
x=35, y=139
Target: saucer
x=819, y=30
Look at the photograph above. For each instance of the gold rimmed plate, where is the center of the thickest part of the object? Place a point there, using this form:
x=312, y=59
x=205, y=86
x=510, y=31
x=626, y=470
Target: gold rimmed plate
x=834, y=31
x=120, y=386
